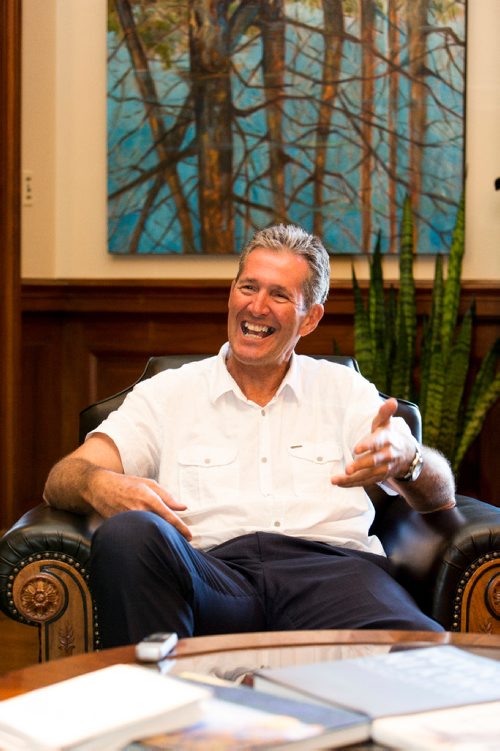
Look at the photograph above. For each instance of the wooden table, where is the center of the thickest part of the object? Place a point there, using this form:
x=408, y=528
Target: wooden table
x=192, y=654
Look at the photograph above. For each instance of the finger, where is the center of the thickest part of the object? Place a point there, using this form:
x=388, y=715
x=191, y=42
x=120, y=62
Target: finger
x=165, y=496
x=358, y=479
x=172, y=503
x=161, y=503
x=368, y=469
x=165, y=505
x=378, y=460
x=361, y=477
x=180, y=526
x=383, y=416
x=173, y=519
x=371, y=444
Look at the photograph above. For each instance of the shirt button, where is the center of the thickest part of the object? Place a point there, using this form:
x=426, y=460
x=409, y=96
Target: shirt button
x=277, y=524
x=264, y=459
x=263, y=412
x=319, y=458
x=207, y=461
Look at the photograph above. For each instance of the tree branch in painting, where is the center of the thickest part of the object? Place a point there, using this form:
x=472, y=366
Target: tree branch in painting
x=164, y=142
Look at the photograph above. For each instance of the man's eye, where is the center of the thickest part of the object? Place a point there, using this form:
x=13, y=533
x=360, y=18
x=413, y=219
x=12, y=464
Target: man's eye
x=280, y=296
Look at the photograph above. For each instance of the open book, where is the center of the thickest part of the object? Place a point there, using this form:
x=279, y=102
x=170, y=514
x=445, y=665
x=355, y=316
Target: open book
x=238, y=717
x=104, y=709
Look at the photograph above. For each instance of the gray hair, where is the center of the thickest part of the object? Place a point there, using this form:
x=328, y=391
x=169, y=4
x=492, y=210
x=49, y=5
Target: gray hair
x=283, y=238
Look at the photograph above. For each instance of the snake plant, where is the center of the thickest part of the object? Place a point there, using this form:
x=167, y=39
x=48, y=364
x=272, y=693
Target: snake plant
x=385, y=331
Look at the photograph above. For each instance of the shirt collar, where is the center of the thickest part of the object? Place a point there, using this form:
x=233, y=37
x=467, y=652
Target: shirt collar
x=293, y=378
x=222, y=382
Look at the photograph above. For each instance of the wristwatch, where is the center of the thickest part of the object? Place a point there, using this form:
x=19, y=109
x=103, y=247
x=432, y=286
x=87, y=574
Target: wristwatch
x=415, y=467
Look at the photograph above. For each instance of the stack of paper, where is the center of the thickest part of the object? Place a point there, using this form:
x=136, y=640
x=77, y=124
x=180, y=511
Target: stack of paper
x=104, y=709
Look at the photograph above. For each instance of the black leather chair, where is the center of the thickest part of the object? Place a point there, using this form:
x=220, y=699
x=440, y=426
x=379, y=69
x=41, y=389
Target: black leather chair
x=448, y=560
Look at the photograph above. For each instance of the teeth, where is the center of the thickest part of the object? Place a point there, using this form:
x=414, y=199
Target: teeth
x=256, y=329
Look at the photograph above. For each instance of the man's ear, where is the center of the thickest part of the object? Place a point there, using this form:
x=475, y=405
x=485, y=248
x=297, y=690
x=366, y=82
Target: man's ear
x=231, y=291
x=312, y=318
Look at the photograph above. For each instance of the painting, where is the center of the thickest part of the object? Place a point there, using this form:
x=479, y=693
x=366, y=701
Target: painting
x=226, y=116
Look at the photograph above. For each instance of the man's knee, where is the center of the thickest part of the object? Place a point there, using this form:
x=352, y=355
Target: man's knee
x=129, y=529
x=131, y=539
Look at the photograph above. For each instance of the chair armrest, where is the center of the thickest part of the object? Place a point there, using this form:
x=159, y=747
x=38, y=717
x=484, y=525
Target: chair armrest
x=449, y=560
x=43, y=577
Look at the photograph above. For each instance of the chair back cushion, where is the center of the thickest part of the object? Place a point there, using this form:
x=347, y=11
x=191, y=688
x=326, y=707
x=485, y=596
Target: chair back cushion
x=407, y=410
x=92, y=416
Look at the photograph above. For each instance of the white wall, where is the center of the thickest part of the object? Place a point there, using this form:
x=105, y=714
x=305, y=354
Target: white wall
x=64, y=146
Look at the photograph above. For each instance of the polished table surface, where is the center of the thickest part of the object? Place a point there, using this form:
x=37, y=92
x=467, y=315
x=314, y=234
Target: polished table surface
x=246, y=652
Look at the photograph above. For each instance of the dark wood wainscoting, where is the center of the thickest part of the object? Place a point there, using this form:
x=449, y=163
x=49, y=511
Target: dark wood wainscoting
x=82, y=341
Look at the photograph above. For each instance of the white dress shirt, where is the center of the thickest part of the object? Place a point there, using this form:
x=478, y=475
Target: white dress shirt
x=242, y=468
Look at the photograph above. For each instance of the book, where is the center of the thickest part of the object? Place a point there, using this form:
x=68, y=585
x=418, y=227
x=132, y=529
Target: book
x=475, y=727
x=239, y=717
x=397, y=683
x=104, y=709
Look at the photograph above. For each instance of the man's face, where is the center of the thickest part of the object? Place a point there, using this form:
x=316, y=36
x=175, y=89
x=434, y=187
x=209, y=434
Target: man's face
x=267, y=313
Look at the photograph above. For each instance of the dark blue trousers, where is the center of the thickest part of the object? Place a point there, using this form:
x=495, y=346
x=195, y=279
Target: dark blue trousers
x=145, y=577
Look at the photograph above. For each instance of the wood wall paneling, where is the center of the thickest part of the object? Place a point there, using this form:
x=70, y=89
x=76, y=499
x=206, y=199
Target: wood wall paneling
x=84, y=341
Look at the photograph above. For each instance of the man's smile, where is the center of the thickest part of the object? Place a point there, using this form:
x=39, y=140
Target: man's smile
x=258, y=330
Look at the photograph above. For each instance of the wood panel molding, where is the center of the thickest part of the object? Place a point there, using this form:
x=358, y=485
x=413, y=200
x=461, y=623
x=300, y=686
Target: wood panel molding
x=207, y=295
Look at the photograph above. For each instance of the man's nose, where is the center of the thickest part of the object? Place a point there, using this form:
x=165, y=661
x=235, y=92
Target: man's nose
x=259, y=304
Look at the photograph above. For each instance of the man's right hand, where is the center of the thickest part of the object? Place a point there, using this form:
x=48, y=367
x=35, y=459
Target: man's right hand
x=92, y=477
x=110, y=493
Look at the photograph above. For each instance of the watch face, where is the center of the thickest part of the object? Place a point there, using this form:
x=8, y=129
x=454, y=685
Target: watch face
x=418, y=466
x=415, y=467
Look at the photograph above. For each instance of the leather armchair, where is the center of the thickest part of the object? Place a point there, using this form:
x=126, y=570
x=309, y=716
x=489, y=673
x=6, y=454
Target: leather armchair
x=448, y=560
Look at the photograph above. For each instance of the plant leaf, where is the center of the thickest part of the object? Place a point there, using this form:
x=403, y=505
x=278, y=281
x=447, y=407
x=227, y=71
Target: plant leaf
x=401, y=366
x=433, y=407
x=376, y=313
x=485, y=376
x=472, y=428
x=451, y=298
x=407, y=306
x=362, y=336
x=454, y=384
x=390, y=339
x=431, y=339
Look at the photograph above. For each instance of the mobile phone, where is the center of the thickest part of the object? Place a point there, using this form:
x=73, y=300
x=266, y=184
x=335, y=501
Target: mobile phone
x=155, y=646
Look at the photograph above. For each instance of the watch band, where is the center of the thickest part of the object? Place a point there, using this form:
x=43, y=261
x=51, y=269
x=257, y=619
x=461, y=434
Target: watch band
x=415, y=467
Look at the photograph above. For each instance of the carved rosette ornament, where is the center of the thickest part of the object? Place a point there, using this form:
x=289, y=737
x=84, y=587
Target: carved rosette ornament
x=493, y=595
x=477, y=601
x=41, y=598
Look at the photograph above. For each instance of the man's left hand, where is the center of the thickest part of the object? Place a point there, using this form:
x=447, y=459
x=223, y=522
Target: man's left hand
x=385, y=452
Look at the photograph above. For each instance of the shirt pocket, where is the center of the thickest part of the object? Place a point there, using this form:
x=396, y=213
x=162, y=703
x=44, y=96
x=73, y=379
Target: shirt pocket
x=208, y=474
x=313, y=464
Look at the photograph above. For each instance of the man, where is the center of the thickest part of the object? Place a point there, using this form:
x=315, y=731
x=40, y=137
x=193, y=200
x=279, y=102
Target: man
x=242, y=477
